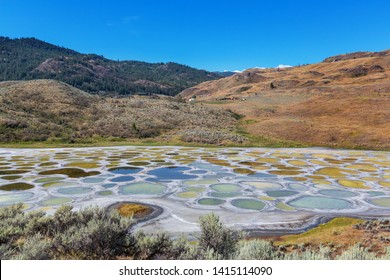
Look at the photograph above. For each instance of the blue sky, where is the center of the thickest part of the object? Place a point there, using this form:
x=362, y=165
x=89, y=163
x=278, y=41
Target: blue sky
x=213, y=35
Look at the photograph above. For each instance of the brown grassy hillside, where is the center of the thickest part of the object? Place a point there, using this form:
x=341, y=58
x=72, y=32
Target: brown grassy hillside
x=343, y=101
x=43, y=110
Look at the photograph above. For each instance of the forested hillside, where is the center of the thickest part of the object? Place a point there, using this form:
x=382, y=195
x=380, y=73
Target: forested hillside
x=29, y=59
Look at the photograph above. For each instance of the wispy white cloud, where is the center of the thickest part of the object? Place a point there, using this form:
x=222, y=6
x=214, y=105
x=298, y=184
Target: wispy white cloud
x=129, y=19
x=123, y=21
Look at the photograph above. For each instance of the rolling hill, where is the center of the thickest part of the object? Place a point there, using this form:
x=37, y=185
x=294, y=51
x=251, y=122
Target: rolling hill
x=343, y=101
x=52, y=111
x=30, y=58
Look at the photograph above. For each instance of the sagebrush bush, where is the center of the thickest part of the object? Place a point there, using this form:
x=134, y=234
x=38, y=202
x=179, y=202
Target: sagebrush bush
x=215, y=236
x=35, y=247
x=255, y=250
x=357, y=252
x=152, y=246
x=323, y=253
x=91, y=233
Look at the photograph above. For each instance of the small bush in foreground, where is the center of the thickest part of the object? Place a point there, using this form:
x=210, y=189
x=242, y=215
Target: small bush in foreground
x=216, y=237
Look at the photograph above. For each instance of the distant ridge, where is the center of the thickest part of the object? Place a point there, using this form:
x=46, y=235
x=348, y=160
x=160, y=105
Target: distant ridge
x=30, y=58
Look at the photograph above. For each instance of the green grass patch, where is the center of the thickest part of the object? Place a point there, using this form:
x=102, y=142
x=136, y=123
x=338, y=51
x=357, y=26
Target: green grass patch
x=322, y=232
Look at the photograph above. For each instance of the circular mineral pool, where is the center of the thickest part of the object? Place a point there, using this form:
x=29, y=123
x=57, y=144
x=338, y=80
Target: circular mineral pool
x=70, y=172
x=219, y=175
x=94, y=180
x=375, y=193
x=60, y=184
x=261, y=175
x=139, y=163
x=225, y=194
x=244, y=171
x=104, y=193
x=11, y=177
x=267, y=186
x=74, y=191
x=122, y=179
x=108, y=186
x=16, y=187
x=143, y=189
x=210, y=201
x=171, y=173
x=382, y=202
x=48, y=180
x=125, y=170
x=187, y=194
x=250, y=204
x=281, y=193
x=55, y=201
x=284, y=207
x=298, y=187
x=226, y=188
x=337, y=193
x=207, y=166
x=317, y=202
x=8, y=199
x=198, y=172
x=195, y=189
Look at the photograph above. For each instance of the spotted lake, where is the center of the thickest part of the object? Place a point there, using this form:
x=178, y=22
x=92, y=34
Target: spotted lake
x=252, y=188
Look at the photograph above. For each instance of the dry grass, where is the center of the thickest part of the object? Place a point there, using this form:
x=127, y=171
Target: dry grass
x=51, y=111
x=337, y=231
x=342, y=104
x=341, y=235
x=134, y=210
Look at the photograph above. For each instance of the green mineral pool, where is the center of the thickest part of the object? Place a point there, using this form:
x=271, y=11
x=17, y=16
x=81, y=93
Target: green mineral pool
x=318, y=202
x=187, y=194
x=8, y=199
x=105, y=193
x=298, y=187
x=225, y=194
x=210, y=201
x=75, y=190
x=266, y=186
x=250, y=204
x=143, y=188
x=48, y=180
x=382, y=202
x=226, y=188
x=337, y=193
x=94, y=180
x=281, y=193
x=55, y=201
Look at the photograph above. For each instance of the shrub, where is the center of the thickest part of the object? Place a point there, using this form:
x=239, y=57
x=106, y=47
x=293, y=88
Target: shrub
x=256, y=250
x=35, y=248
x=93, y=233
x=90, y=233
x=152, y=246
x=323, y=253
x=357, y=252
x=216, y=237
